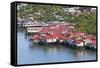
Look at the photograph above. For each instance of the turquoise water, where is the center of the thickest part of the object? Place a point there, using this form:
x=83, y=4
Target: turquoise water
x=27, y=53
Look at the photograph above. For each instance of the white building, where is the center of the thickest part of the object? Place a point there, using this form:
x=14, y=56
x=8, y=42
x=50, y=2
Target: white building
x=72, y=9
x=93, y=10
x=34, y=29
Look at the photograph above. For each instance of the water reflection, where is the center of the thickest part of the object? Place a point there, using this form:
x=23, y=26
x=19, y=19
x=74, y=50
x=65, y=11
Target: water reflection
x=28, y=53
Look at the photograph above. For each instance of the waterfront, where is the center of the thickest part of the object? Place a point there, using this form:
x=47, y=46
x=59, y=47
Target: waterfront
x=32, y=54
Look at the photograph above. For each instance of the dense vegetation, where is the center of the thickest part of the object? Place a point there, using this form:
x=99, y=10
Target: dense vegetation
x=40, y=12
x=85, y=22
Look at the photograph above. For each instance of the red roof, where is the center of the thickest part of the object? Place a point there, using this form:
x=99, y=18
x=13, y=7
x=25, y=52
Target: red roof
x=90, y=37
x=93, y=42
x=78, y=41
x=36, y=37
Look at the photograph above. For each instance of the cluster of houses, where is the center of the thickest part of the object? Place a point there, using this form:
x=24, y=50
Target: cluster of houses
x=59, y=33
x=79, y=10
x=62, y=33
x=35, y=27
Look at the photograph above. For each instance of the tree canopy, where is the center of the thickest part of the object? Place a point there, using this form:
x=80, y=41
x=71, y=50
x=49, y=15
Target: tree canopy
x=86, y=23
x=40, y=12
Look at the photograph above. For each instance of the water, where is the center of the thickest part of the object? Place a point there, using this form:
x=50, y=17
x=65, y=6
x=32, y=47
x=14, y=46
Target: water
x=32, y=54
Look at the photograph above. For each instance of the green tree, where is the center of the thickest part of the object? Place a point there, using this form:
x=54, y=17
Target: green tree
x=86, y=23
x=40, y=12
